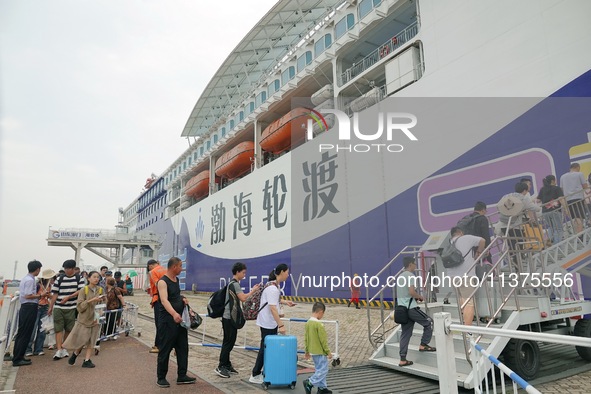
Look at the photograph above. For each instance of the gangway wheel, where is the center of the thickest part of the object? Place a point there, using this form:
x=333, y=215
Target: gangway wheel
x=523, y=357
x=583, y=329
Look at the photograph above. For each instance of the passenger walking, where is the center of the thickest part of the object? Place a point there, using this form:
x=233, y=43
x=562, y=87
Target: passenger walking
x=63, y=305
x=103, y=273
x=29, y=299
x=120, y=283
x=573, y=185
x=355, y=292
x=528, y=213
x=552, y=200
x=156, y=272
x=316, y=345
x=174, y=335
x=115, y=303
x=35, y=346
x=408, y=296
x=86, y=329
x=268, y=318
x=471, y=247
x=477, y=224
x=225, y=368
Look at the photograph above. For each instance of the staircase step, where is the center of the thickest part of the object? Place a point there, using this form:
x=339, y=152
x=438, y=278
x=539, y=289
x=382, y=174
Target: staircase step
x=428, y=358
x=417, y=369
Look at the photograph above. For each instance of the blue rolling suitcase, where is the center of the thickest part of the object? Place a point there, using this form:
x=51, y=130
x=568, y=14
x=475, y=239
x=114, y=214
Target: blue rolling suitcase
x=281, y=361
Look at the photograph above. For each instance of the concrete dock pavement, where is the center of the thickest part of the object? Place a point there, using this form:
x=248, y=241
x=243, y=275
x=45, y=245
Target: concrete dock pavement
x=126, y=364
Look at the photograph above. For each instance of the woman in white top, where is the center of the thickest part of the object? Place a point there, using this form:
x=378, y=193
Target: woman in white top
x=268, y=318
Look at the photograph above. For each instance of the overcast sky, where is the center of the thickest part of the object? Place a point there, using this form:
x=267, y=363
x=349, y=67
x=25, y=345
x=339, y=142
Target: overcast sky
x=94, y=95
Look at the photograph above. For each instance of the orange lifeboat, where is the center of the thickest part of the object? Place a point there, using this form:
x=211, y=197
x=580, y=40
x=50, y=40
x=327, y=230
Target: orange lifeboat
x=286, y=132
x=236, y=161
x=198, y=186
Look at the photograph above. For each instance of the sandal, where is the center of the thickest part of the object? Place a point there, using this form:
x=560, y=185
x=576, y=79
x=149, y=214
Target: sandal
x=406, y=363
x=426, y=348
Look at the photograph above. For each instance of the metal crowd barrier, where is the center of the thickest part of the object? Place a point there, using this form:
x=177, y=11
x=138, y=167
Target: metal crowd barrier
x=289, y=321
x=8, y=322
x=117, y=322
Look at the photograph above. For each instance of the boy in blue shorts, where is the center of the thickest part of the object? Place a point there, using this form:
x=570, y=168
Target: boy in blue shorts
x=316, y=344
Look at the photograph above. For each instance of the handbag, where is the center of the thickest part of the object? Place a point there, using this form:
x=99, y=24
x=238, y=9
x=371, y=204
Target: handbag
x=401, y=313
x=191, y=319
x=196, y=320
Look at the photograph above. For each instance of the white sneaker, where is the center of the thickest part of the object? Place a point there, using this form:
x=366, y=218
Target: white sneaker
x=65, y=353
x=27, y=354
x=58, y=354
x=256, y=379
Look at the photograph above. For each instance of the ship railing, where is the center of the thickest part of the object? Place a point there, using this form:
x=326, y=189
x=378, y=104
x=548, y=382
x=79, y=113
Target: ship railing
x=481, y=360
x=380, y=53
x=377, y=335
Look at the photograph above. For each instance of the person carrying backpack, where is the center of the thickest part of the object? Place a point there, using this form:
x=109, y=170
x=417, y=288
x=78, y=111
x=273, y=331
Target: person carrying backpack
x=477, y=224
x=268, y=318
x=225, y=368
x=470, y=247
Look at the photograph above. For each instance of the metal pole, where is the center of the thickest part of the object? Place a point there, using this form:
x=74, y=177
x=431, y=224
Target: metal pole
x=14, y=273
x=446, y=362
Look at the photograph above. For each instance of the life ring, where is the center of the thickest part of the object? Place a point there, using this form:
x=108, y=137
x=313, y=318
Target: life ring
x=384, y=51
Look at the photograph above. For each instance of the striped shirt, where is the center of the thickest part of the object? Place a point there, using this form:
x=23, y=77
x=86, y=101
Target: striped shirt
x=67, y=286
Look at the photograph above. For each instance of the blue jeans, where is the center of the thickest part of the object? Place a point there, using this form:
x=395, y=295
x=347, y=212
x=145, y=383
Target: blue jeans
x=38, y=336
x=555, y=229
x=321, y=370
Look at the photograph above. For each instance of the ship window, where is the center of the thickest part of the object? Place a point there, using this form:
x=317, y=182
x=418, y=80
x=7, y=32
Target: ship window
x=322, y=44
x=201, y=151
x=260, y=98
x=249, y=108
x=195, y=155
x=223, y=131
x=240, y=116
x=208, y=145
x=190, y=161
x=304, y=60
x=344, y=25
x=287, y=75
x=365, y=7
x=273, y=87
x=215, y=138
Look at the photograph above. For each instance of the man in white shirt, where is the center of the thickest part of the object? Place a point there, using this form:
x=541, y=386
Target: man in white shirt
x=471, y=247
x=573, y=185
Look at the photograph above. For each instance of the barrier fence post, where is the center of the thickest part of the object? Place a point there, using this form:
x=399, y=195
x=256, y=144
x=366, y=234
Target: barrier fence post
x=446, y=362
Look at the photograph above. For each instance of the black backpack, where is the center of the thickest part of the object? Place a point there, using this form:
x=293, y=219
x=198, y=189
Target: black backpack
x=217, y=302
x=451, y=256
x=467, y=223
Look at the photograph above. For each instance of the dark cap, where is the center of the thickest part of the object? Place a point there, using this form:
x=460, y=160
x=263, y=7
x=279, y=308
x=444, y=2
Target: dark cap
x=110, y=273
x=118, y=274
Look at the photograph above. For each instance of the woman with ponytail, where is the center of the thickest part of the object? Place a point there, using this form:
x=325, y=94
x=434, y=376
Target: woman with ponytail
x=552, y=200
x=268, y=318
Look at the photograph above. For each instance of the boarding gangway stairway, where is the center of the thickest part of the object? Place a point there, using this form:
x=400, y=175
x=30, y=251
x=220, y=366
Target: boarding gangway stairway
x=545, y=308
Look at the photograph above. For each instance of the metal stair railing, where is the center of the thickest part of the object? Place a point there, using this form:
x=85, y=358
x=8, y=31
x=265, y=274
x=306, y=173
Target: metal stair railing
x=522, y=254
x=378, y=334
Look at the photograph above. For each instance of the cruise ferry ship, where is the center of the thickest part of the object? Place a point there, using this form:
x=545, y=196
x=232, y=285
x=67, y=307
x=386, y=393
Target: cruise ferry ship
x=285, y=164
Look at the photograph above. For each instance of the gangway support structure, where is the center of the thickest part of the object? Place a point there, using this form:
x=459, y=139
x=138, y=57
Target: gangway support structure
x=528, y=306
x=94, y=240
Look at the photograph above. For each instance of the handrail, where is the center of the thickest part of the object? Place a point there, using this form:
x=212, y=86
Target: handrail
x=407, y=250
x=379, y=53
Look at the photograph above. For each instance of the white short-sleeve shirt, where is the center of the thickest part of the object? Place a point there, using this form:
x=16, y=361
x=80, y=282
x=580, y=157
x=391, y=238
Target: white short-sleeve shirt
x=271, y=296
